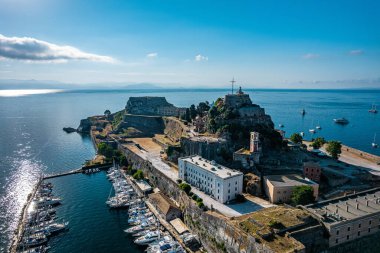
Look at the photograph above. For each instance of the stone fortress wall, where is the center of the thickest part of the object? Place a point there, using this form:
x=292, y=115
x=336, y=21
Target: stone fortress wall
x=153, y=106
x=215, y=232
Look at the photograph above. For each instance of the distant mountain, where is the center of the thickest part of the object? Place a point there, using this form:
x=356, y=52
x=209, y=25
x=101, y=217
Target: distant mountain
x=143, y=86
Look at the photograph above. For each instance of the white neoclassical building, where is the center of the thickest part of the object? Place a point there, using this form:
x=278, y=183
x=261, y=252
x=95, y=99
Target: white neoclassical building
x=220, y=182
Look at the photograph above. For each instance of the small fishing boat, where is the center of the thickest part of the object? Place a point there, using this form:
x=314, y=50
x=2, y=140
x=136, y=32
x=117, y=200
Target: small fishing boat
x=281, y=125
x=373, y=109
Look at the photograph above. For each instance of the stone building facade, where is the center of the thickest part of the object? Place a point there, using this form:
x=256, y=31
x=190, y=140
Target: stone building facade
x=350, y=217
x=279, y=188
x=220, y=182
x=312, y=171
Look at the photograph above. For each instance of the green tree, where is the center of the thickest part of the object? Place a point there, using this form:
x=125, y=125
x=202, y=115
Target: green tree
x=123, y=160
x=105, y=149
x=203, y=107
x=213, y=112
x=107, y=113
x=193, y=112
x=185, y=187
x=138, y=175
x=334, y=148
x=318, y=142
x=187, y=115
x=296, y=138
x=302, y=195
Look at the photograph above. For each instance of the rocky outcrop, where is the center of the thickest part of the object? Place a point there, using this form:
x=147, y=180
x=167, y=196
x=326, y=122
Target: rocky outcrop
x=84, y=126
x=153, y=106
x=69, y=130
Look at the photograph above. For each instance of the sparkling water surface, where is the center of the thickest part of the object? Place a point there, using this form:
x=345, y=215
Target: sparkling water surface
x=32, y=142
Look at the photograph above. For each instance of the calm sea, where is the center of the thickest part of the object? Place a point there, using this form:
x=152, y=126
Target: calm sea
x=32, y=142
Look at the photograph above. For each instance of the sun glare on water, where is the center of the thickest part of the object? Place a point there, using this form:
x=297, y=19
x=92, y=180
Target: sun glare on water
x=18, y=93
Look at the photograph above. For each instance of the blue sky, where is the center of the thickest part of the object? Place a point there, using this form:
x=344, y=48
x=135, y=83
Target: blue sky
x=290, y=44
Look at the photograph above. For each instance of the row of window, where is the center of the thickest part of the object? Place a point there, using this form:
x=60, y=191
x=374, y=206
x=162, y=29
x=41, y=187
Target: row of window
x=348, y=236
x=359, y=226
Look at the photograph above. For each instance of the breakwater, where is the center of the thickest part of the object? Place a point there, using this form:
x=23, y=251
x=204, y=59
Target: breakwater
x=22, y=221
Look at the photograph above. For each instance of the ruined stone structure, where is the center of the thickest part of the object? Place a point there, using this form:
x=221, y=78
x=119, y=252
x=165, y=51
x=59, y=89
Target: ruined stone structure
x=147, y=126
x=207, y=147
x=153, y=106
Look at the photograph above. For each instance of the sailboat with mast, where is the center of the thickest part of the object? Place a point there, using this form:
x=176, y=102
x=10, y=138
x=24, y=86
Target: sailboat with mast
x=374, y=144
x=373, y=109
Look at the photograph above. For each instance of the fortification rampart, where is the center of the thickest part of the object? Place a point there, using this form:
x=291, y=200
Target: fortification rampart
x=216, y=233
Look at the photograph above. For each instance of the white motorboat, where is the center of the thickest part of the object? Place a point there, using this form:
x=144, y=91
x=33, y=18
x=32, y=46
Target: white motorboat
x=138, y=228
x=302, y=134
x=281, y=125
x=33, y=242
x=374, y=144
x=148, y=238
x=45, y=202
x=312, y=131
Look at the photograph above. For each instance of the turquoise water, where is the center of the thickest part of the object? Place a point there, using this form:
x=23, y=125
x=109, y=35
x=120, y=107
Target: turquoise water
x=32, y=142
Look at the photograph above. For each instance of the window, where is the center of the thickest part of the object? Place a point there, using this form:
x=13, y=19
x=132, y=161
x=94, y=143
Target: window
x=348, y=237
x=336, y=240
x=360, y=225
x=337, y=232
x=369, y=230
x=348, y=229
x=370, y=222
x=358, y=233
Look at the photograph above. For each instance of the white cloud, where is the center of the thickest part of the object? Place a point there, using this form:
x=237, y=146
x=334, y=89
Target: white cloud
x=356, y=52
x=200, y=57
x=33, y=50
x=152, y=55
x=310, y=56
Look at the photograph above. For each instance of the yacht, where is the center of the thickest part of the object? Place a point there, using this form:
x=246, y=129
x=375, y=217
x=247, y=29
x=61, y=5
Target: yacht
x=341, y=121
x=148, y=238
x=138, y=228
x=318, y=126
x=373, y=109
x=45, y=202
x=312, y=130
x=33, y=242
